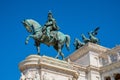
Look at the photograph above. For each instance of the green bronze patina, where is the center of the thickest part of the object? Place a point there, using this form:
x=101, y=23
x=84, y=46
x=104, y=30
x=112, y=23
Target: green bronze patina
x=41, y=34
x=85, y=39
x=92, y=38
x=77, y=43
x=50, y=25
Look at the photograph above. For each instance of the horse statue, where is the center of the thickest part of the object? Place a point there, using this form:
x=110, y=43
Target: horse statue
x=57, y=40
x=77, y=43
x=85, y=39
x=92, y=35
x=93, y=39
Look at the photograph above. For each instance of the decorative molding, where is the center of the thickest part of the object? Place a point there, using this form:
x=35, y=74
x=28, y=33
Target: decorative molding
x=85, y=49
x=37, y=65
x=113, y=50
x=110, y=66
x=39, y=62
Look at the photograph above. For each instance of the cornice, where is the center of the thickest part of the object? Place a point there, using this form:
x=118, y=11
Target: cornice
x=85, y=68
x=113, y=50
x=78, y=67
x=85, y=49
x=111, y=66
x=90, y=67
x=36, y=61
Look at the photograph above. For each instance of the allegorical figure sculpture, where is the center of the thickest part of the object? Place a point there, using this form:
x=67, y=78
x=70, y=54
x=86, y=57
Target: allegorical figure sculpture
x=85, y=39
x=92, y=38
x=39, y=35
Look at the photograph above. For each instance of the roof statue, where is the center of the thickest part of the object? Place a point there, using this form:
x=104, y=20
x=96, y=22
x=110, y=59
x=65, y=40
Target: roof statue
x=48, y=34
x=92, y=38
x=77, y=43
x=92, y=35
x=85, y=39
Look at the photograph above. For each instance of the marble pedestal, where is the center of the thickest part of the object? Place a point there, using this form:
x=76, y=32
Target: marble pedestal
x=36, y=67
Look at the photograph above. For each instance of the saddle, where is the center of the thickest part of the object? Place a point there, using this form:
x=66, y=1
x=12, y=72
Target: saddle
x=52, y=35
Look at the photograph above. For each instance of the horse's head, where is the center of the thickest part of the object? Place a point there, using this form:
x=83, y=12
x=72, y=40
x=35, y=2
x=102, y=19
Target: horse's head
x=31, y=25
x=76, y=41
x=83, y=36
x=27, y=25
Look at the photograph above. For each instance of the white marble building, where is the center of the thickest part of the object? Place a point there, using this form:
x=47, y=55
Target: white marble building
x=90, y=62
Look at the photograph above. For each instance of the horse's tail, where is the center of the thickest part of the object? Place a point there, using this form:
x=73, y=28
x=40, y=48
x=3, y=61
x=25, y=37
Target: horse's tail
x=67, y=42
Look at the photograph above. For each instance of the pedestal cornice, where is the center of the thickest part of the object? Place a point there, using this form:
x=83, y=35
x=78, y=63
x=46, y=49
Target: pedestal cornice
x=47, y=63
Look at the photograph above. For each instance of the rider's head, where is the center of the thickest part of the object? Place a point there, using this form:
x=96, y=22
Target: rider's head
x=50, y=15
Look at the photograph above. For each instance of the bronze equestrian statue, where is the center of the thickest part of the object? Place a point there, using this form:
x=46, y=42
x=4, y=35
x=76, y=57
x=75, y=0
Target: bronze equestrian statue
x=47, y=35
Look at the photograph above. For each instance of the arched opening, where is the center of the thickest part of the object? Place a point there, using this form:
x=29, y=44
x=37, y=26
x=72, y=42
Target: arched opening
x=117, y=76
x=107, y=78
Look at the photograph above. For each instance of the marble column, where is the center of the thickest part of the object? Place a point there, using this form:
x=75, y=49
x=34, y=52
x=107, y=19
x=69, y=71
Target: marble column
x=109, y=59
x=118, y=56
x=112, y=77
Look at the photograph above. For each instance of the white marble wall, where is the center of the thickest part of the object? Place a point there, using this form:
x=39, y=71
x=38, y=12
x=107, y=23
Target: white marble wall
x=91, y=58
x=84, y=60
x=93, y=75
x=48, y=75
x=30, y=74
x=94, y=59
x=82, y=75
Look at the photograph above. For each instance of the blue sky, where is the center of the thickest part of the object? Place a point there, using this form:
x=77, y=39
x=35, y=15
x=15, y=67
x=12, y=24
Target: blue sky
x=74, y=17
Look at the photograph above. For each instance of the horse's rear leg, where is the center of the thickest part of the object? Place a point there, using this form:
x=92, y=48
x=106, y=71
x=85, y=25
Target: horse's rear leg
x=60, y=52
x=62, y=55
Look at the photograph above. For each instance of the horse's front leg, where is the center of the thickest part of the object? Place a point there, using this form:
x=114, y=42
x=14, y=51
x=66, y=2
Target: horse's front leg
x=57, y=56
x=27, y=39
x=37, y=44
x=60, y=53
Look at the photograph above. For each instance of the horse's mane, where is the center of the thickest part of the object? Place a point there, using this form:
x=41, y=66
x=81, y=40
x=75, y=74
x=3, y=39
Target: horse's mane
x=35, y=23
